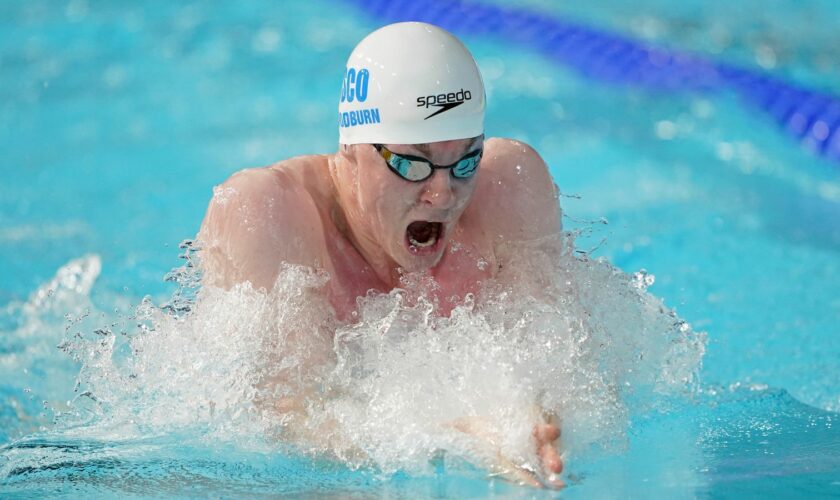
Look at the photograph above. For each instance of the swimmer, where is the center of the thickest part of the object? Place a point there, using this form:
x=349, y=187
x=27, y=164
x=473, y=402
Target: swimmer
x=413, y=179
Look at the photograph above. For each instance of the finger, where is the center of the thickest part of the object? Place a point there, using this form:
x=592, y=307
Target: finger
x=550, y=459
x=546, y=433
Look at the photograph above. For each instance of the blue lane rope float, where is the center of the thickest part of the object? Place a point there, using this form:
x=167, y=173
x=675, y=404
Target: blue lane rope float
x=812, y=117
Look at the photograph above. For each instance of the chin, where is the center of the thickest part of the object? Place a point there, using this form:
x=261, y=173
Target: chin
x=414, y=265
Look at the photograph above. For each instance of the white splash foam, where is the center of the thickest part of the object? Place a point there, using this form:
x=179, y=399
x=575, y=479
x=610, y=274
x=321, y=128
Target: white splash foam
x=589, y=343
x=574, y=337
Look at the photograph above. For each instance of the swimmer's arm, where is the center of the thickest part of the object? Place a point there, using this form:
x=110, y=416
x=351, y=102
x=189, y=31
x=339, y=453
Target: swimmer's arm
x=256, y=220
x=520, y=206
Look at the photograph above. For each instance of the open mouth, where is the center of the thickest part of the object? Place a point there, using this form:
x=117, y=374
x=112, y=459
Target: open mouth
x=424, y=234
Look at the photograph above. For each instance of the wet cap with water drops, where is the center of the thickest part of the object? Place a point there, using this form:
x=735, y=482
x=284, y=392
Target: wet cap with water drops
x=410, y=83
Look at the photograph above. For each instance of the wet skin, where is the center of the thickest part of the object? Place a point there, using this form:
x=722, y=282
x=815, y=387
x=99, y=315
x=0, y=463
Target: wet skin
x=348, y=214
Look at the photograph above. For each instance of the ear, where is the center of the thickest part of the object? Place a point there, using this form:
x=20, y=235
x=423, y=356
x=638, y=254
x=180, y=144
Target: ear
x=344, y=165
x=347, y=153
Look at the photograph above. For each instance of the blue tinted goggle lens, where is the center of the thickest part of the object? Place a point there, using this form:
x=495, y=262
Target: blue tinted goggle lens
x=416, y=169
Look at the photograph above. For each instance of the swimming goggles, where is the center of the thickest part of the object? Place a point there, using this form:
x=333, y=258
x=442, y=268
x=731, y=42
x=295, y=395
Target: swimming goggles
x=416, y=169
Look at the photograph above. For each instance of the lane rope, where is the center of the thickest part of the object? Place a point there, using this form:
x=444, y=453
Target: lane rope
x=811, y=117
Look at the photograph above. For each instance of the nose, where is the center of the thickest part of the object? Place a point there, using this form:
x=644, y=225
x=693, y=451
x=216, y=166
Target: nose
x=437, y=190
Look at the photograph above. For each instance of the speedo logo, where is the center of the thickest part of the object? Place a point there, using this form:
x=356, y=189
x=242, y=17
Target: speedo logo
x=444, y=102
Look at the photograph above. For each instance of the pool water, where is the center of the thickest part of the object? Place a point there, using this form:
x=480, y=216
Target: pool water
x=117, y=119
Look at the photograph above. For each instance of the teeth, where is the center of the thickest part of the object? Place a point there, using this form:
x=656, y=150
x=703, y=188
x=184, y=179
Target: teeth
x=431, y=241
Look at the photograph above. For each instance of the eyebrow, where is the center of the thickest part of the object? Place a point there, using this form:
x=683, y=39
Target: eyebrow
x=425, y=149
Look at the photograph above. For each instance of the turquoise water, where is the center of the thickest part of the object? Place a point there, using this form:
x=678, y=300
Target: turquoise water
x=117, y=119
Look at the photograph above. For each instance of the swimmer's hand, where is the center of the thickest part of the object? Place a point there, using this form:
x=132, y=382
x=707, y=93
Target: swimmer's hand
x=545, y=434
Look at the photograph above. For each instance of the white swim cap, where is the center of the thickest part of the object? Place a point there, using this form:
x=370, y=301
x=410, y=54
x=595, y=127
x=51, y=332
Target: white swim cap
x=410, y=83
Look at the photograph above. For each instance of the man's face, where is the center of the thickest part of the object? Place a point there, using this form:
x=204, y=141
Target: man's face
x=413, y=221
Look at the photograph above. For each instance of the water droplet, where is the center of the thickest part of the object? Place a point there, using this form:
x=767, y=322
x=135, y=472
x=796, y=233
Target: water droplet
x=666, y=130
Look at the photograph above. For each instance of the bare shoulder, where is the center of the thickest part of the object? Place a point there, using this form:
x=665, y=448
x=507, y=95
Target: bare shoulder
x=515, y=192
x=257, y=196
x=259, y=218
x=514, y=162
